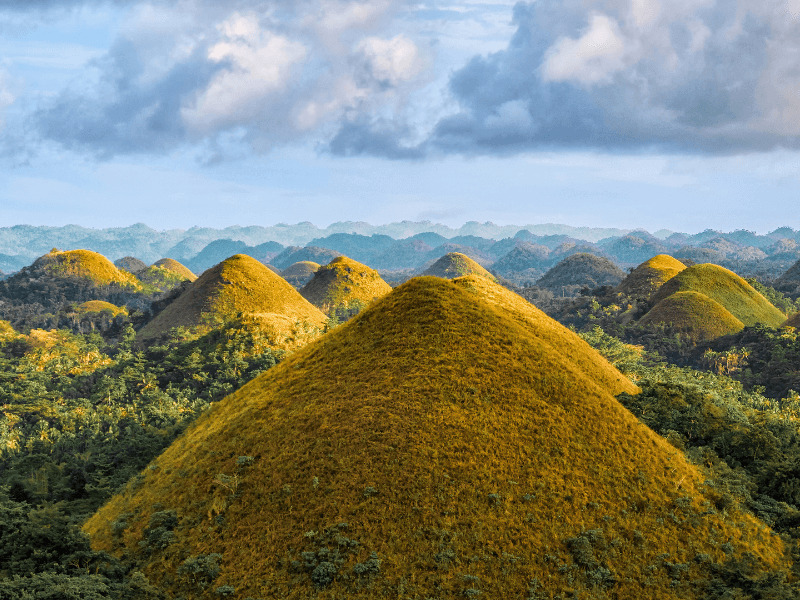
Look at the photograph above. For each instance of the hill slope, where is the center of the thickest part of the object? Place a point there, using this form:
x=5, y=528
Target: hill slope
x=456, y=264
x=300, y=273
x=695, y=314
x=240, y=284
x=581, y=270
x=84, y=264
x=344, y=283
x=165, y=274
x=726, y=288
x=645, y=279
x=474, y=457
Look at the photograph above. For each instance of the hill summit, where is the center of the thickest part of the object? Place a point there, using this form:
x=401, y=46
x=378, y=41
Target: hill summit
x=165, y=274
x=83, y=264
x=578, y=271
x=456, y=264
x=645, y=279
x=344, y=283
x=236, y=286
x=447, y=442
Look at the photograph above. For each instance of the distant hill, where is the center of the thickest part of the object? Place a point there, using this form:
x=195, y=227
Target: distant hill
x=131, y=264
x=726, y=288
x=239, y=285
x=633, y=248
x=300, y=273
x=789, y=282
x=645, y=279
x=165, y=274
x=476, y=457
x=694, y=314
x=294, y=254
x=578, y=271
x=456, y=264
x=526, y=261
x=344, y=284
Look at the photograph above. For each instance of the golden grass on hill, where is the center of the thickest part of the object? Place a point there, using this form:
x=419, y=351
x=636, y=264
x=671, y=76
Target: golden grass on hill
x=86, y=265
x=165, y=274
x=695, y=314
x=728, y=289
x=645, y=279
x=455, y=264
x=343, y=283
x=7, y=332
x=463, y=437
x=300, y=273
x=100, y=306
x=238, y=285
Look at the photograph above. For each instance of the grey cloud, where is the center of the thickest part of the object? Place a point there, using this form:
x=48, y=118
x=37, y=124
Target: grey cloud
x=703, y=100
x=374, y=137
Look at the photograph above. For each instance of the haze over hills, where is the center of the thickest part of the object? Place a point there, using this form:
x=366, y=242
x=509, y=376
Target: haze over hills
x=341, y=476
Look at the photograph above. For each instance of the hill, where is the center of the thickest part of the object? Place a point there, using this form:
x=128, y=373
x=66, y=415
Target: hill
x=645, y=279
x=131, y=264
x=579, y=271
x=476, y=457
x=694, y=314
x=300, y=273
x=83, y=264
x=239, y=285
x=293, y=254
x=165, y=274
x=726, y=288
x=789, y=282
x=344, y=284
x=456, y=264
x=525, y=261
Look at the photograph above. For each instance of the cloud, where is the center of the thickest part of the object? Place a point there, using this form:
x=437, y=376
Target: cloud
x=6, y=96
x=687, y=76
x=255, y=74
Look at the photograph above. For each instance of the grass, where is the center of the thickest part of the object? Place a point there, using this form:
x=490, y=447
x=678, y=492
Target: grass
x=649, y=276
x=344, y=282
x=165, y=275
x=694, y=314
x=100, y=306
x=85, y=264
x=455, y=264
x=728, y=289
x=238, y=285
x=467, y=440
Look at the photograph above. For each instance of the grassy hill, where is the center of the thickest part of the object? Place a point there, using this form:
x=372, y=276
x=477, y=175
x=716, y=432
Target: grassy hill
x=240, y=285
x=728, y=289
x=84, y=264
x=475, y=457
x=456, y=264
x=300, y=273
x=130, y=264
x=578, y=271
x=645, y=279
x=695, y=314
x=344, y=283
x=165, y=274
x=100, y=306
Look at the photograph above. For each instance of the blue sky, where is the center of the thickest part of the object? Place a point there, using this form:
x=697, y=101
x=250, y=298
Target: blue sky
x=628, y=113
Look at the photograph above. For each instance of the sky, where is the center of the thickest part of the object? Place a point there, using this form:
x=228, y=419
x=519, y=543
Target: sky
x=681, y=115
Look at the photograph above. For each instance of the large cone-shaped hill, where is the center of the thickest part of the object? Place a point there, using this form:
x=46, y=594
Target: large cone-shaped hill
x=300, y=273
x=239, y=285
x=694, y=314
x=645, y=279
x=456, y=264
x=344, y=283
x=448, y=441
x=726, y=288
x=581, y=270
x=83, y=264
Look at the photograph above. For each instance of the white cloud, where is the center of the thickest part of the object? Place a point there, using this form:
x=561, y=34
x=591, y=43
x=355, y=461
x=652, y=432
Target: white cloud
x=257, y=64
x=6, y=96
x=390, y=62
x=592, y=58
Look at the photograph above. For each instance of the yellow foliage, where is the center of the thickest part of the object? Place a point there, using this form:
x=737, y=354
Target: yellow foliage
x=645, y=279
x=694, y=314
x=461, y=434
x=100, y=306
x=86, y=265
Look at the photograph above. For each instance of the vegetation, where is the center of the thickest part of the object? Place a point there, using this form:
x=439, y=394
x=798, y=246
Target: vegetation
x=344, y=284
x=693, y=314
x=579, y=271
x=404, y=476
x=300, y=273
x=456, y=264
x=649, y=276
x=239, y=286
x=165, y=275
